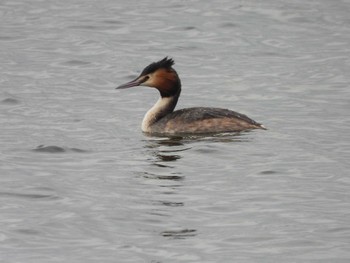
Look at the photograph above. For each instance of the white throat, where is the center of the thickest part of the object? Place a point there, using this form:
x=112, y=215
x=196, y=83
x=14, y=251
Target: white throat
x=162, y=107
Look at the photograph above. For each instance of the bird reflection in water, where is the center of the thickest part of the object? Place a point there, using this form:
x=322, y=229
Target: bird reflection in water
x=164, y=156
x=166, y=150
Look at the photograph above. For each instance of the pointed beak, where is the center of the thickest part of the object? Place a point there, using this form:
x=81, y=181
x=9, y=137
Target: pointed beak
x=136, y=82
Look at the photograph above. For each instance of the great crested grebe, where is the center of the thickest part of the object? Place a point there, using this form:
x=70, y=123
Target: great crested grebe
x=162, y=119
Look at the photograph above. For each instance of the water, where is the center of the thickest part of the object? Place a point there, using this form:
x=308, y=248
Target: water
x=79, y=182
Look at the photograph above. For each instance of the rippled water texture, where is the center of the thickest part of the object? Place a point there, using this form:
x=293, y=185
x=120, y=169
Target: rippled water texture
x=79, y=182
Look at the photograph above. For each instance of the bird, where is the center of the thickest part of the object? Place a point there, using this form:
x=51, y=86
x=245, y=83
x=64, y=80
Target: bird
x=161, y=119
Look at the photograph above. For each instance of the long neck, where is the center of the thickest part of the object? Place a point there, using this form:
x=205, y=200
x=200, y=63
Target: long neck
x=163, y=107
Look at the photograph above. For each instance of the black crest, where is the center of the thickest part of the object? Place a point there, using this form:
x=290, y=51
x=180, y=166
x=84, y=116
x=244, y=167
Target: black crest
x=164, y=63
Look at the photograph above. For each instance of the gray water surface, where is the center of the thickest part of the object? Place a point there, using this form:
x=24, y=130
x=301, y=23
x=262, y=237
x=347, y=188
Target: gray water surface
x=79, y=182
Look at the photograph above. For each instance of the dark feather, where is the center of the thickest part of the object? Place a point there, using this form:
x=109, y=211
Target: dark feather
x=164, y=63
x=201, y=113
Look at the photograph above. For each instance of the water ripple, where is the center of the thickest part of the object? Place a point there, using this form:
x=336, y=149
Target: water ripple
x=57, y=149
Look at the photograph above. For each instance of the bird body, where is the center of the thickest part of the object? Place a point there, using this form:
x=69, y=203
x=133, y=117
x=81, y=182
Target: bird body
x=162, y=119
